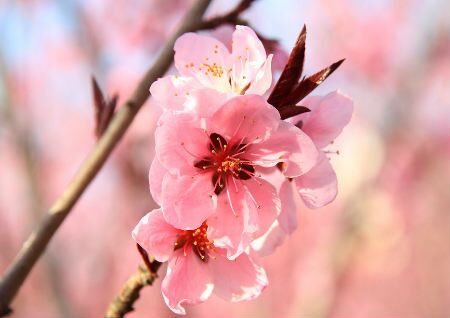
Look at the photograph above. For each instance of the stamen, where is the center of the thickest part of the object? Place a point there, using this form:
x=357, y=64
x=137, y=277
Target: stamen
x=252, y=198
x=217, y=183
x=230, y=203
x=238, y=127
x=217, y=143
x=235, y=185
x=189, y=152
x=262, y=161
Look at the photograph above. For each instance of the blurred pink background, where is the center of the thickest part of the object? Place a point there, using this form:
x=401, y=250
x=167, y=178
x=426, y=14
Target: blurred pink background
x=381, y=250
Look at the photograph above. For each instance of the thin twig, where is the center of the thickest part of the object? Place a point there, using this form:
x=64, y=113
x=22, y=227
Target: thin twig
x=35, y=245
x=232, y=17
x=123, y=303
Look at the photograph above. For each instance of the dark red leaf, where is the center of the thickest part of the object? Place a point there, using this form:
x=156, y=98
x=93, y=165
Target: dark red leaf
x=291, y=73
x=292, y=110
x=308, y=84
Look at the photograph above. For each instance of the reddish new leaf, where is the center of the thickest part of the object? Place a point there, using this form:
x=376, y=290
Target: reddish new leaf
x=308, y=84
x=291, y=73
x=292, y=110
x=99, y=102
x=106, y=115
x=104, y=108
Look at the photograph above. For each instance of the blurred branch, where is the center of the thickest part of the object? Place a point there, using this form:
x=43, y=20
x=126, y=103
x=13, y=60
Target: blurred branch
x=123, y=303
x=23, y=141
x=232, y=17
x=35, y=245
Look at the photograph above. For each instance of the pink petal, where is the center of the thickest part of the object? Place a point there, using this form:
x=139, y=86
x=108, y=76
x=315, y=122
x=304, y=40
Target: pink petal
x=329, y=115
x=180, y=142
x=156, y=176
x=227, y=229
x=270, y=241
x=205, y=102
x=262, y=198
x=171, y=92
x=288, y=197
x=155, y=235
x=188, y=281
x=247, y=117
x=289, y=145
x=187, y=201
x=204, y=58
x=319, y=186
x=289, y=208
x=263, y=78
x=280, y=59
x=248, y=55
x=238, y=280
x=224, y=34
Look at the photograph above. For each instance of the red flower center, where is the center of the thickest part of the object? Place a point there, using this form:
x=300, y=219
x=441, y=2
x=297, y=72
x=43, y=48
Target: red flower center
x=225, y=160
x=198, y=240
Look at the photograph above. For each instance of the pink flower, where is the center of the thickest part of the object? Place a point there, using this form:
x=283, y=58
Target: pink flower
x=196, y=266
x=209, y=168
x=206, y=63
x=328, y=116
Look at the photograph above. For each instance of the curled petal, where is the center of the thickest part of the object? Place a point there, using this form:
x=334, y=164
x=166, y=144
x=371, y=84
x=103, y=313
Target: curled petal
x=188, y=281
x=155, y=235
x=238, y=280
x=319, y=186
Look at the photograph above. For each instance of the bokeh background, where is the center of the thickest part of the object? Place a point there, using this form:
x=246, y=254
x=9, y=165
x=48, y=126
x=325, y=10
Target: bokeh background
x=381, y=250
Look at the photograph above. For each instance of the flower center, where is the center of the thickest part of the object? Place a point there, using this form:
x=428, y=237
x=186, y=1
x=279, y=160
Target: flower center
x=198, y=240
x=225, y=160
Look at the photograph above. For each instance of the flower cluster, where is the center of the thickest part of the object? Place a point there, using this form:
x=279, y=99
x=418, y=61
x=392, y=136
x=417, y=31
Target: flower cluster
x=229, y=163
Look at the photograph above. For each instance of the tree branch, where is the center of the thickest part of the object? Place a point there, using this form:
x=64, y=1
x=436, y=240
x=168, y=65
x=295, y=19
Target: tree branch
x=130, y=291
x=35, y=245
x=232, y=17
